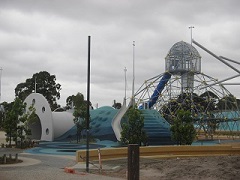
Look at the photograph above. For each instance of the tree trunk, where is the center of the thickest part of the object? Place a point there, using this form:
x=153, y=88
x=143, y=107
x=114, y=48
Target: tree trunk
x=10, y=138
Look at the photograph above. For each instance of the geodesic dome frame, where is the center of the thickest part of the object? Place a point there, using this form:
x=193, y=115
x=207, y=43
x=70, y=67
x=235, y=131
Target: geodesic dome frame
x=212, y=106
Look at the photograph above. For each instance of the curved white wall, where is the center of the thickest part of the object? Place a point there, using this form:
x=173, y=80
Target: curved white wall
x=62, y=122
x=51, y=125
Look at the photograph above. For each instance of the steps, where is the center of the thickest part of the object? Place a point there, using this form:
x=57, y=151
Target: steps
x=156, y=128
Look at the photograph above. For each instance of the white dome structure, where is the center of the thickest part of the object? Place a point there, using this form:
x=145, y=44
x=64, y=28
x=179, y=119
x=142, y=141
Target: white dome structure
x=49, y=125
x=182, y=58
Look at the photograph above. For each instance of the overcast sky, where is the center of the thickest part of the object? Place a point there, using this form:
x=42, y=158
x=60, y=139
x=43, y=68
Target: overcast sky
x=52, y=35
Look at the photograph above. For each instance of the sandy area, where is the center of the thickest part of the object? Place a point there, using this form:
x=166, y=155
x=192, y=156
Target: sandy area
x=182, y=168
x=193, y=168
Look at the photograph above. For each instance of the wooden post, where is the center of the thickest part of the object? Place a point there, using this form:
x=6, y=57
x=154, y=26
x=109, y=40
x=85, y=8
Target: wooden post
x=16, y=157
x=133, y=162
x=100, y=160
x=4, y=159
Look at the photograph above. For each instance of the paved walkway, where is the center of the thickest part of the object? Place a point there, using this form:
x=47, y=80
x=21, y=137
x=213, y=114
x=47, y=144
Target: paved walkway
x=49, y=167
x=12, y=151
x=42, y=166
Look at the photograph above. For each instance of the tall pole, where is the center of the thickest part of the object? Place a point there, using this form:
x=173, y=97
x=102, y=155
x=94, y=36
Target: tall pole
x=88, y=103
x=35, y=84
x=191, y=88
x=191, y=27
x=125, y=75
x=133, y=100
x=0, y=83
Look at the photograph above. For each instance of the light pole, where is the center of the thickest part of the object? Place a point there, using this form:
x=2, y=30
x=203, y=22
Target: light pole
x=88, y=103
x=0, y=83
x=191, y=27
x=125, y=72
x=133, y=100
x=35, y=84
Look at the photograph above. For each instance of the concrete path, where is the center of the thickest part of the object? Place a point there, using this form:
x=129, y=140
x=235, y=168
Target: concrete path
x=42, y=167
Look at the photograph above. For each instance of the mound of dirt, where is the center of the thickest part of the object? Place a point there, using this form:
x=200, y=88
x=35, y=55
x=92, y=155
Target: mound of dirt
x=194, y=168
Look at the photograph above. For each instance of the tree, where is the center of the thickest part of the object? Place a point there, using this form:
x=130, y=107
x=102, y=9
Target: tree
x=16, y=119
x=203, y=104
x=183, y=131
x=209, y=100
x=69, y=102
x=117, y=105
x=4, y=108
x=1, y=115
x=80, y=113
x=184, y=101
x=45, y=84
x=228, y=102
x=29, y=117
x=11, y=120
x=132, y=131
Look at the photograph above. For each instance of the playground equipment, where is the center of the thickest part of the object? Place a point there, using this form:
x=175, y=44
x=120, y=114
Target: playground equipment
x=59, y=126
x=49, y=125
x=184, y=86
x=116, y=122
x=105, y=124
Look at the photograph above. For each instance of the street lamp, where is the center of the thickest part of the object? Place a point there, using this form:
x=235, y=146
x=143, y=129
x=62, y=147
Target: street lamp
x=191, y=27
x=133, y=100
x=0, y=83
x=125, y=72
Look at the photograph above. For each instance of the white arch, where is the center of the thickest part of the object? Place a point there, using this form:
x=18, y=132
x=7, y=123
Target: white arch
x=51, y=125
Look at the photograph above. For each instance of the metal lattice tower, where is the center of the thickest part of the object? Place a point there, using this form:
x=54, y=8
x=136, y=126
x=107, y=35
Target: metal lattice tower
x=184, y=60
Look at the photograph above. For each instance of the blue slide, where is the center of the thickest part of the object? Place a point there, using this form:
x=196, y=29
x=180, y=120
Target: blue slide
x=158, y=90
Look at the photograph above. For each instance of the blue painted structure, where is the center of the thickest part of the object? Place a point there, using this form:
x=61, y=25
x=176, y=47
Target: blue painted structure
x=228, y=120
x=158, y=90
x=156, y=127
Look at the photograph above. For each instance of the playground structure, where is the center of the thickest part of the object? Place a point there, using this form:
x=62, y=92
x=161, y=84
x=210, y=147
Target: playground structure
x=183, y=86
x=59, y=126
x=49, y=125
x=105, y=123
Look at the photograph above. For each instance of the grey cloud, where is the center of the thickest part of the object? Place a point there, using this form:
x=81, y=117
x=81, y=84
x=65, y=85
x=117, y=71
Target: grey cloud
x=52, y=36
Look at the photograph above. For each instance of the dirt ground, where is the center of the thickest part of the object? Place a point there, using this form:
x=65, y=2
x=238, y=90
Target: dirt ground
x=191, y=168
